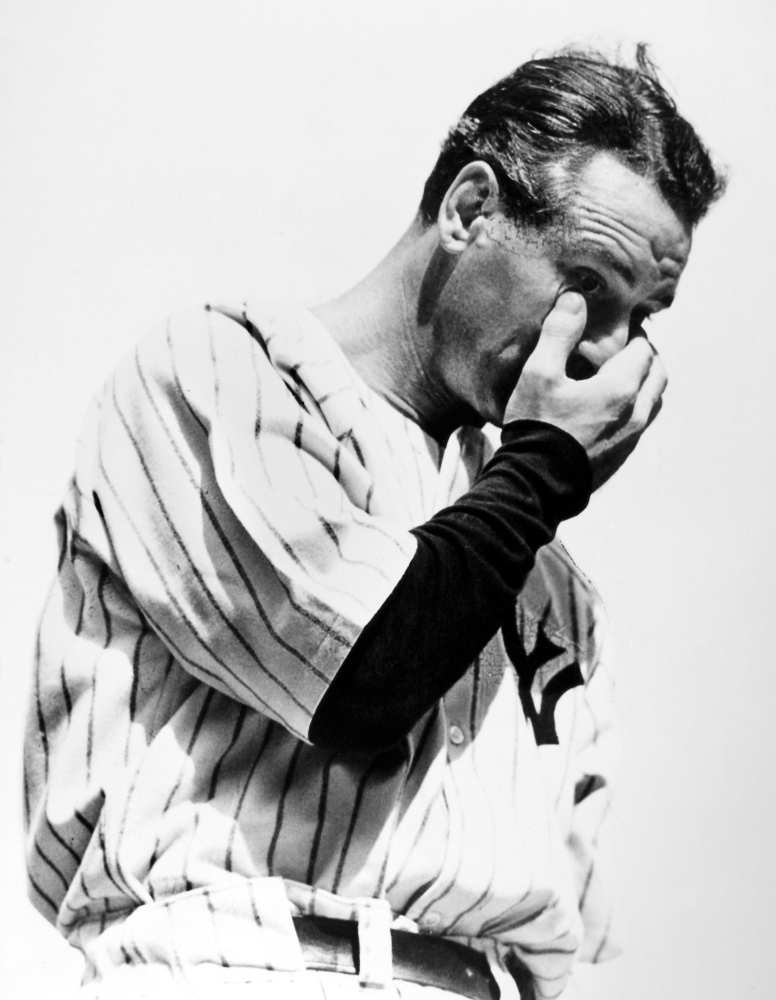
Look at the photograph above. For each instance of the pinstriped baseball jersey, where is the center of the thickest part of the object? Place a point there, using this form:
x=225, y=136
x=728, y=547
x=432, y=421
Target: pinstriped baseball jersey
x=240, y=509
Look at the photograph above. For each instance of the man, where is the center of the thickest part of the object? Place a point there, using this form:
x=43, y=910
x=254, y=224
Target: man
x=305, y=718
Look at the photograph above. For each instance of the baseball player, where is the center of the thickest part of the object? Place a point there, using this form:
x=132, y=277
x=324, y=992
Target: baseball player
x=319, y=705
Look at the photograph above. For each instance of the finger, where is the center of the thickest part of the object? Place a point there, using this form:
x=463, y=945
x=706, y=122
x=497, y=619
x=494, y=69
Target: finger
x=649, y=399
x=655, y=410
x=561, y=332
x=627, y=370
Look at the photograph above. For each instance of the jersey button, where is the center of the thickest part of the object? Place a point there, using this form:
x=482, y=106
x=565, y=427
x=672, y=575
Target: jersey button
x=431, y=920
x=456, y=735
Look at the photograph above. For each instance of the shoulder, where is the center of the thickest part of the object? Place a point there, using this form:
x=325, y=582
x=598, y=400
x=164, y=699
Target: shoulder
x=190, y=340
x=204, y=359
x=183, y=341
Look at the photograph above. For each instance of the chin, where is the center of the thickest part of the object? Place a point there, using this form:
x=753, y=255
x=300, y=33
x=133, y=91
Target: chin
x=494, y=415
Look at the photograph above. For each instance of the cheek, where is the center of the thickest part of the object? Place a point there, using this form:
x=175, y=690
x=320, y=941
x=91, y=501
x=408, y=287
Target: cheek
x=527, y=314
x=532, y=298
x=496, y=304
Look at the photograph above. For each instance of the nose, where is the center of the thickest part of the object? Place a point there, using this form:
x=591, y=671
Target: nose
x=597, y=346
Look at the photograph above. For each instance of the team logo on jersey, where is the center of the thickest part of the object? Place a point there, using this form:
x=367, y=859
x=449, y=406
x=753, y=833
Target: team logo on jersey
x=543, y=675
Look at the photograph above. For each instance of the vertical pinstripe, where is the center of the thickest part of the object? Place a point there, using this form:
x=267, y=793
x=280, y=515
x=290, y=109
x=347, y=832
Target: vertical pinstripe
x=241, y=507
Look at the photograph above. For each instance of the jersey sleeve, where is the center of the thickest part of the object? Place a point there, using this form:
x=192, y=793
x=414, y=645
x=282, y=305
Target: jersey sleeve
x=233, y=516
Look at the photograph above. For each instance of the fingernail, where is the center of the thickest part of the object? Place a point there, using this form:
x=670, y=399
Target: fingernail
x=571, y=301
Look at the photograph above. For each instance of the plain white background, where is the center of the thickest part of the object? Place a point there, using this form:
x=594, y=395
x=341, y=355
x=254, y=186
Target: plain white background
x=159, y=154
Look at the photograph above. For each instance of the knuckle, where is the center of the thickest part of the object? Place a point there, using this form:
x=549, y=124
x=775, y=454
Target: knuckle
x=539, y=374
x=639, y=419
x=623, y=398
x=640, y=347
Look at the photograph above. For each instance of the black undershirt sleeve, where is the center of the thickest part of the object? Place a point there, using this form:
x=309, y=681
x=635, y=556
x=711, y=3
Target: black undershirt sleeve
x=472, y=559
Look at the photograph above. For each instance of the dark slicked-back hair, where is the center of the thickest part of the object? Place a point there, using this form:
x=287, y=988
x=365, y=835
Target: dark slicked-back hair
x=549, y=118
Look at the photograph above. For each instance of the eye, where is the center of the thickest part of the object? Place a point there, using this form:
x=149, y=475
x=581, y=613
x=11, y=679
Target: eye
x=589, y=284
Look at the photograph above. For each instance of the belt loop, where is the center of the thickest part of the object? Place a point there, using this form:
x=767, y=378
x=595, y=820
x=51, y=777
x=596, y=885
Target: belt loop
x=375, y=966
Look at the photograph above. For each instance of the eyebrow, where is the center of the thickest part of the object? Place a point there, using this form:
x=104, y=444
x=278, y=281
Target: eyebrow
x=626, y=272
x=618, y=265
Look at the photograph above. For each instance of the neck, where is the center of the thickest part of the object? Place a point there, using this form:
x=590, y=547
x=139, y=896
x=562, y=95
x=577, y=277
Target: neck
x=385, y=327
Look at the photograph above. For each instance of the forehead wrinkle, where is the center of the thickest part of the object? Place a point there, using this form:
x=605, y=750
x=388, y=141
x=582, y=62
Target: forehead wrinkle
x=592, y=241
x=607, y=234
x=636, y=228
x=665, y=266
x=607, y=223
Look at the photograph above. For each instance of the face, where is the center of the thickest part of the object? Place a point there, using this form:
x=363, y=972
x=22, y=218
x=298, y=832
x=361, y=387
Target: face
x=622, y=247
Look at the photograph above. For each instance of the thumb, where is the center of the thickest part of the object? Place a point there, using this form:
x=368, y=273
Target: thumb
x=561, y=332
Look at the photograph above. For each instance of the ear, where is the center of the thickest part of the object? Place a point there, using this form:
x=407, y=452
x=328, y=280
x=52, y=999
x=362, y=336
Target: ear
x=470, y=199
